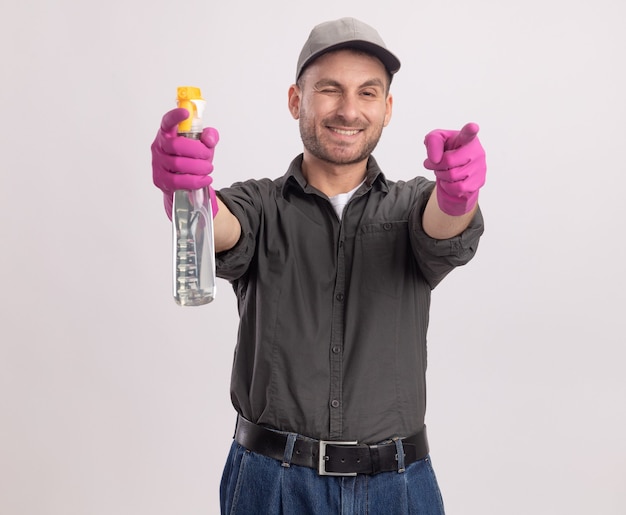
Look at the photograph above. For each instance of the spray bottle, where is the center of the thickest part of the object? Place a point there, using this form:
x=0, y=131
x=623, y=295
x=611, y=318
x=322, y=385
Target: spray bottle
x=192, y=222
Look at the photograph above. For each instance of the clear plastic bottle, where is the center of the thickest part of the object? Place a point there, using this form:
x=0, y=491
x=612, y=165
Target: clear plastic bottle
x=192, y=222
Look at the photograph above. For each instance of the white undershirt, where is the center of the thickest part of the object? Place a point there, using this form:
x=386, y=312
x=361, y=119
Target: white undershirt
x=340, y=200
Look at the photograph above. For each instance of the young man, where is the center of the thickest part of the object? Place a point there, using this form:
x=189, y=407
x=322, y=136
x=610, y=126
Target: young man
x=333, y=265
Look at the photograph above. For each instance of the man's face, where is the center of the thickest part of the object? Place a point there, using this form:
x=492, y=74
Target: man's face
x=342, y=106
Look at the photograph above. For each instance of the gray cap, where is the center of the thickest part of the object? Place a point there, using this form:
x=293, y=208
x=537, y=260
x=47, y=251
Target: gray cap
x=345, y=33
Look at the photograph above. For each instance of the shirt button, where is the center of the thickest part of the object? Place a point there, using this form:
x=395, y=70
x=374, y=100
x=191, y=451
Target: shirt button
x=387, y=226
x=340, y=297
x=336, y=349
x=335, y=403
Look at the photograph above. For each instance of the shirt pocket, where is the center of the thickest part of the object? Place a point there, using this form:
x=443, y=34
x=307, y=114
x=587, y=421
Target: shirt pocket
x=381, y=257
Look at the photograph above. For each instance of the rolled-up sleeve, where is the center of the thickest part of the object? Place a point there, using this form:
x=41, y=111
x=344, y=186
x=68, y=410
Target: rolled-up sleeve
x=437, y=258
x=241, y=202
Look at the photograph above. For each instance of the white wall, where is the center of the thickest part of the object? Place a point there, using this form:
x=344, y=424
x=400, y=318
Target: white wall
x=113, y=400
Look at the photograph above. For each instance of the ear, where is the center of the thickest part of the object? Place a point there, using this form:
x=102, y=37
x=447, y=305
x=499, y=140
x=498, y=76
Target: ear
x=294, y=101
x=388, y=110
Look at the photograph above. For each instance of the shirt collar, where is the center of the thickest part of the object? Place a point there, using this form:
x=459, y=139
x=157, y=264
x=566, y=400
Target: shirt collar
x=374, y=177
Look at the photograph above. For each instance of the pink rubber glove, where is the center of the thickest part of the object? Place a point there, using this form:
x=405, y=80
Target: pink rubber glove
x=460, y=167
x=180, y=163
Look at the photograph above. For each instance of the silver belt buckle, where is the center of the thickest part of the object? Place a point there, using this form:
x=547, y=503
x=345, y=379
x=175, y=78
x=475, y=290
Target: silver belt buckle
x=321, y=469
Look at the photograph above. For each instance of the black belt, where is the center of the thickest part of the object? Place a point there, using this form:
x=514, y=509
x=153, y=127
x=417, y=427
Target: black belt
x=331, y=458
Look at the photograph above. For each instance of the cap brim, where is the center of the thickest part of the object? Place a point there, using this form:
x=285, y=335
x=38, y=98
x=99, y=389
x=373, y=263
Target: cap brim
x=390, y=61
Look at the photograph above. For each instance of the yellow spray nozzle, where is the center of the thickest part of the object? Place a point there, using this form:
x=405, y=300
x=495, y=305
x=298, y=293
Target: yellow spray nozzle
x=188, y=97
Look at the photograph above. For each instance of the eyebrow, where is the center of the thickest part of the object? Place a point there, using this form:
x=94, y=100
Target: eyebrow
x=331, y=82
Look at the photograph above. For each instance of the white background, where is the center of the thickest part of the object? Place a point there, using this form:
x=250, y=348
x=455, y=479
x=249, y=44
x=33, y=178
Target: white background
x=115, y=401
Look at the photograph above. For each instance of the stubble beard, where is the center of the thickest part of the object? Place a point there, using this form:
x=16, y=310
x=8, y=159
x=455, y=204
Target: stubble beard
x=314, y=144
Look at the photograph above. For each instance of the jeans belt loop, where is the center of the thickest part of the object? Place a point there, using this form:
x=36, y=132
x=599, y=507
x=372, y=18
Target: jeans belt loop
x=291, y=442
x=400, y=455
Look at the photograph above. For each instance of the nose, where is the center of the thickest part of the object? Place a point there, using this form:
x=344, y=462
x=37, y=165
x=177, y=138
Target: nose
x=348, y=107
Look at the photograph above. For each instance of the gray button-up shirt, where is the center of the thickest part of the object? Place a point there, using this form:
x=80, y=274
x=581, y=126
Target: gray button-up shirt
x=334, y=313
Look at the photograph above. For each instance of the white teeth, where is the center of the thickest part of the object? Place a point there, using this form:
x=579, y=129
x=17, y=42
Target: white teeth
x=346, y=133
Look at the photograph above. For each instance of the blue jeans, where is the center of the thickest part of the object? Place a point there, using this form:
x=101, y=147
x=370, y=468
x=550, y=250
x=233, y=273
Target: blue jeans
x=253, y=484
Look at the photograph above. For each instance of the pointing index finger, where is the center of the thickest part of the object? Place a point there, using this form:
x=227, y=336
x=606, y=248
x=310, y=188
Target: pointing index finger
x=466, y=135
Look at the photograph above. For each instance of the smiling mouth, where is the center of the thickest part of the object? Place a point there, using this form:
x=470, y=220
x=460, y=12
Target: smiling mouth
x=345, y=132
